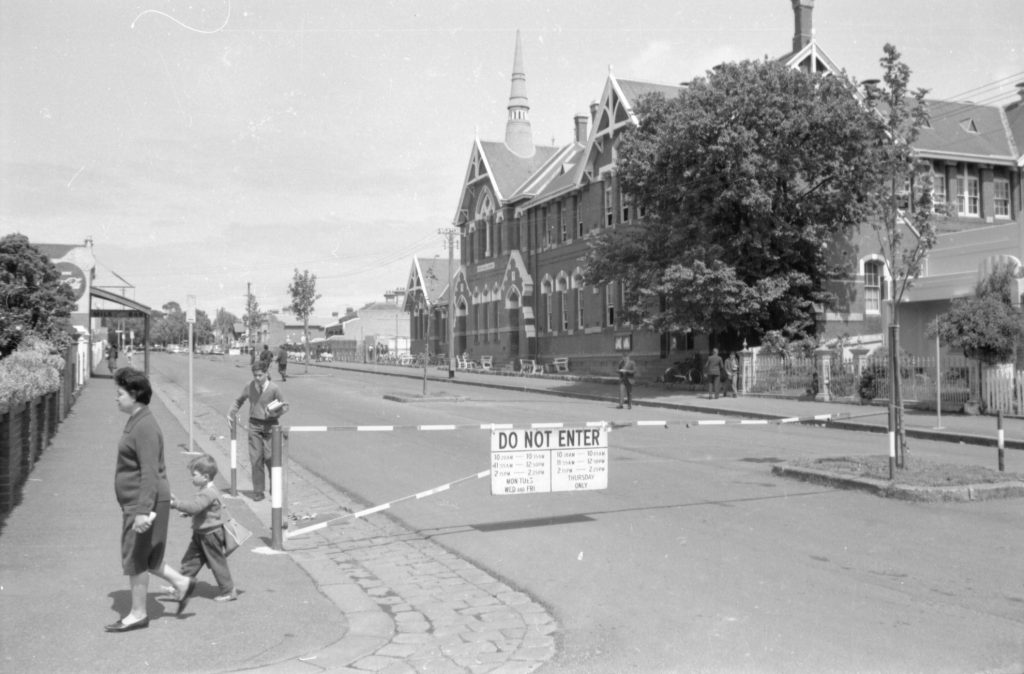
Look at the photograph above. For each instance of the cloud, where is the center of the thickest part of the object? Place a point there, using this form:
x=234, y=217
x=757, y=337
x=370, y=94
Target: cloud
x=672, y=61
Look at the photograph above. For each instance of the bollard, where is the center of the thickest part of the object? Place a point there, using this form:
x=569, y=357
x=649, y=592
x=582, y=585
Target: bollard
x=999, y=426
x=892, y=440
x=234, y=455
x=276, y=490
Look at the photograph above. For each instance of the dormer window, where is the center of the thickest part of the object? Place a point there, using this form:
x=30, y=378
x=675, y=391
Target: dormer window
x=968, y=125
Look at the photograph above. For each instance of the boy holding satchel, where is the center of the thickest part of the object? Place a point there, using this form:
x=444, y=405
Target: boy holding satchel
x=266, y=405
x=208, y=538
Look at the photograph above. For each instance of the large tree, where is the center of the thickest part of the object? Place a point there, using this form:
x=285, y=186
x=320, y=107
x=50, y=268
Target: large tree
x=169, y=327
x=304, y=295
x=224, y=326
x=752, y=180
x=33, y=299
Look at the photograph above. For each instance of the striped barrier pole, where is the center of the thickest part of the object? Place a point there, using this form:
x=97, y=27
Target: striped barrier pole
x=276, y=489
x=234, y=454
x=999, y=426
x=892, y=441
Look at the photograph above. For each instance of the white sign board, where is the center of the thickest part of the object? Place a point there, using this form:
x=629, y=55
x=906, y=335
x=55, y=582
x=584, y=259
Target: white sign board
x=534, y=461
x=190, y=309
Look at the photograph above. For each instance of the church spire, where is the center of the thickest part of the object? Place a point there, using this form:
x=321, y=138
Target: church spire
x=518, y=135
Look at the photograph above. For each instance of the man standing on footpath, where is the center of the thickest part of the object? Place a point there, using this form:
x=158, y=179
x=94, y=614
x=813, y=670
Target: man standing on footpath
x=266, y=405
x=713, y=371
x=282, y=362
x=627, y=370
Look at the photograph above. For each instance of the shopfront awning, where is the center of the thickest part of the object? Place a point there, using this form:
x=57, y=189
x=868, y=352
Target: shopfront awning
x=124, y=308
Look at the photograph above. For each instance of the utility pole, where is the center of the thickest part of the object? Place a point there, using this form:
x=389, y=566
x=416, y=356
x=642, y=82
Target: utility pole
x=450, y=232
x=248, y=303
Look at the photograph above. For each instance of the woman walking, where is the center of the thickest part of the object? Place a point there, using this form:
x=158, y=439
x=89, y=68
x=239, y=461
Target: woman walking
x=140, y=483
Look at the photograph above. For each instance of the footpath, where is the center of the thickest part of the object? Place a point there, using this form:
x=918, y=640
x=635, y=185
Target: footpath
x=363, y=596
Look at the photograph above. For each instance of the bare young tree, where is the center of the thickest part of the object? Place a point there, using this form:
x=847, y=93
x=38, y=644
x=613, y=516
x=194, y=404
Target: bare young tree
x=903, y=217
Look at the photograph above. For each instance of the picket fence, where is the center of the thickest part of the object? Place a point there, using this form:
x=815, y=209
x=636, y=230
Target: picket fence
x=921, y=382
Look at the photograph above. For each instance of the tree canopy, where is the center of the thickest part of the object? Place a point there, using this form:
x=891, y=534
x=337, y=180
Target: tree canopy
x=752, y=180
x=303, y=293
x=904, y=223
x=33, y=299
x=986, y=326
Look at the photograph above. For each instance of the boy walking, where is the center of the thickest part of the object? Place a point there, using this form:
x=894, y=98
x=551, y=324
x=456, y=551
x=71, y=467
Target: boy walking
x=207, y=544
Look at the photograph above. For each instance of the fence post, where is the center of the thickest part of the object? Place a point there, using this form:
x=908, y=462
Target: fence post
x=823, y=367
x=860, y=361
x=746, y=370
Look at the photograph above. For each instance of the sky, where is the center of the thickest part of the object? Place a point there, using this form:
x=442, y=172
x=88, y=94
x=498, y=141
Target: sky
x=203, y=146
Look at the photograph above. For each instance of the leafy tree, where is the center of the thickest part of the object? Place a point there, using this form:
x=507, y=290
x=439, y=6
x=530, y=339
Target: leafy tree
x=905, y=235
x=170, y=327
x=252, y=320
x=986, y=327
x=224, y=324
x=752, y=178
x=202, y=331
x=33, y=300
x=304, y=296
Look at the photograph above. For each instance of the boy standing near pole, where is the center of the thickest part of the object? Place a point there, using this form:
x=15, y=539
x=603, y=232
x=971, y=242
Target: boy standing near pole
x=266, y=405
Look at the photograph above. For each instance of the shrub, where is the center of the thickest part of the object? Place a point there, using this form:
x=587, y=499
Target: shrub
x=30, y=372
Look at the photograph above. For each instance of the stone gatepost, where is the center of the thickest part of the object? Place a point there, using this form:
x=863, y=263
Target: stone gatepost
x=823, y=368
x=746, y=371
x=860, y=360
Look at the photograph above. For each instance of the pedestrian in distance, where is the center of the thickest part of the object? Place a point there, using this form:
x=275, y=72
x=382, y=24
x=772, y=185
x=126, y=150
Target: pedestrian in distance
x=627, y=370
x=713, y=372
x=266, y=405
x=282, y=363
x=129, y=352
x=208, y=538
x=144, y=494
x=266, y=358
x=730, y=368
x=112, y=358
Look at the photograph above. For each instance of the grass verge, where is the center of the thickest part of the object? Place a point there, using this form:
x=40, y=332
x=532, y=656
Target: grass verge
x=917, y=473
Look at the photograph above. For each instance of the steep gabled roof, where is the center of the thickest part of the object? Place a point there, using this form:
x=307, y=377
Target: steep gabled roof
x=633, y=90
x=558, y=166
x=430, y=274
x=508, y=170
x=811, y=58
x=966, y=129
x=1015, y=121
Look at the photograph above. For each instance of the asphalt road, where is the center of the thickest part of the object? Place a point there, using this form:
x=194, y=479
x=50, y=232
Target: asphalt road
x=695, y=558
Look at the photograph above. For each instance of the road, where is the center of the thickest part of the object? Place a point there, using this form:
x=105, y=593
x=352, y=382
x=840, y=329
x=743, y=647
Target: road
x=695, y=558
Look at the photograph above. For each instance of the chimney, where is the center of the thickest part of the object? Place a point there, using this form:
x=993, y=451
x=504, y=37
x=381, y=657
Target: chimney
x=593, y=111
x=802, y=15
x=581, y=129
